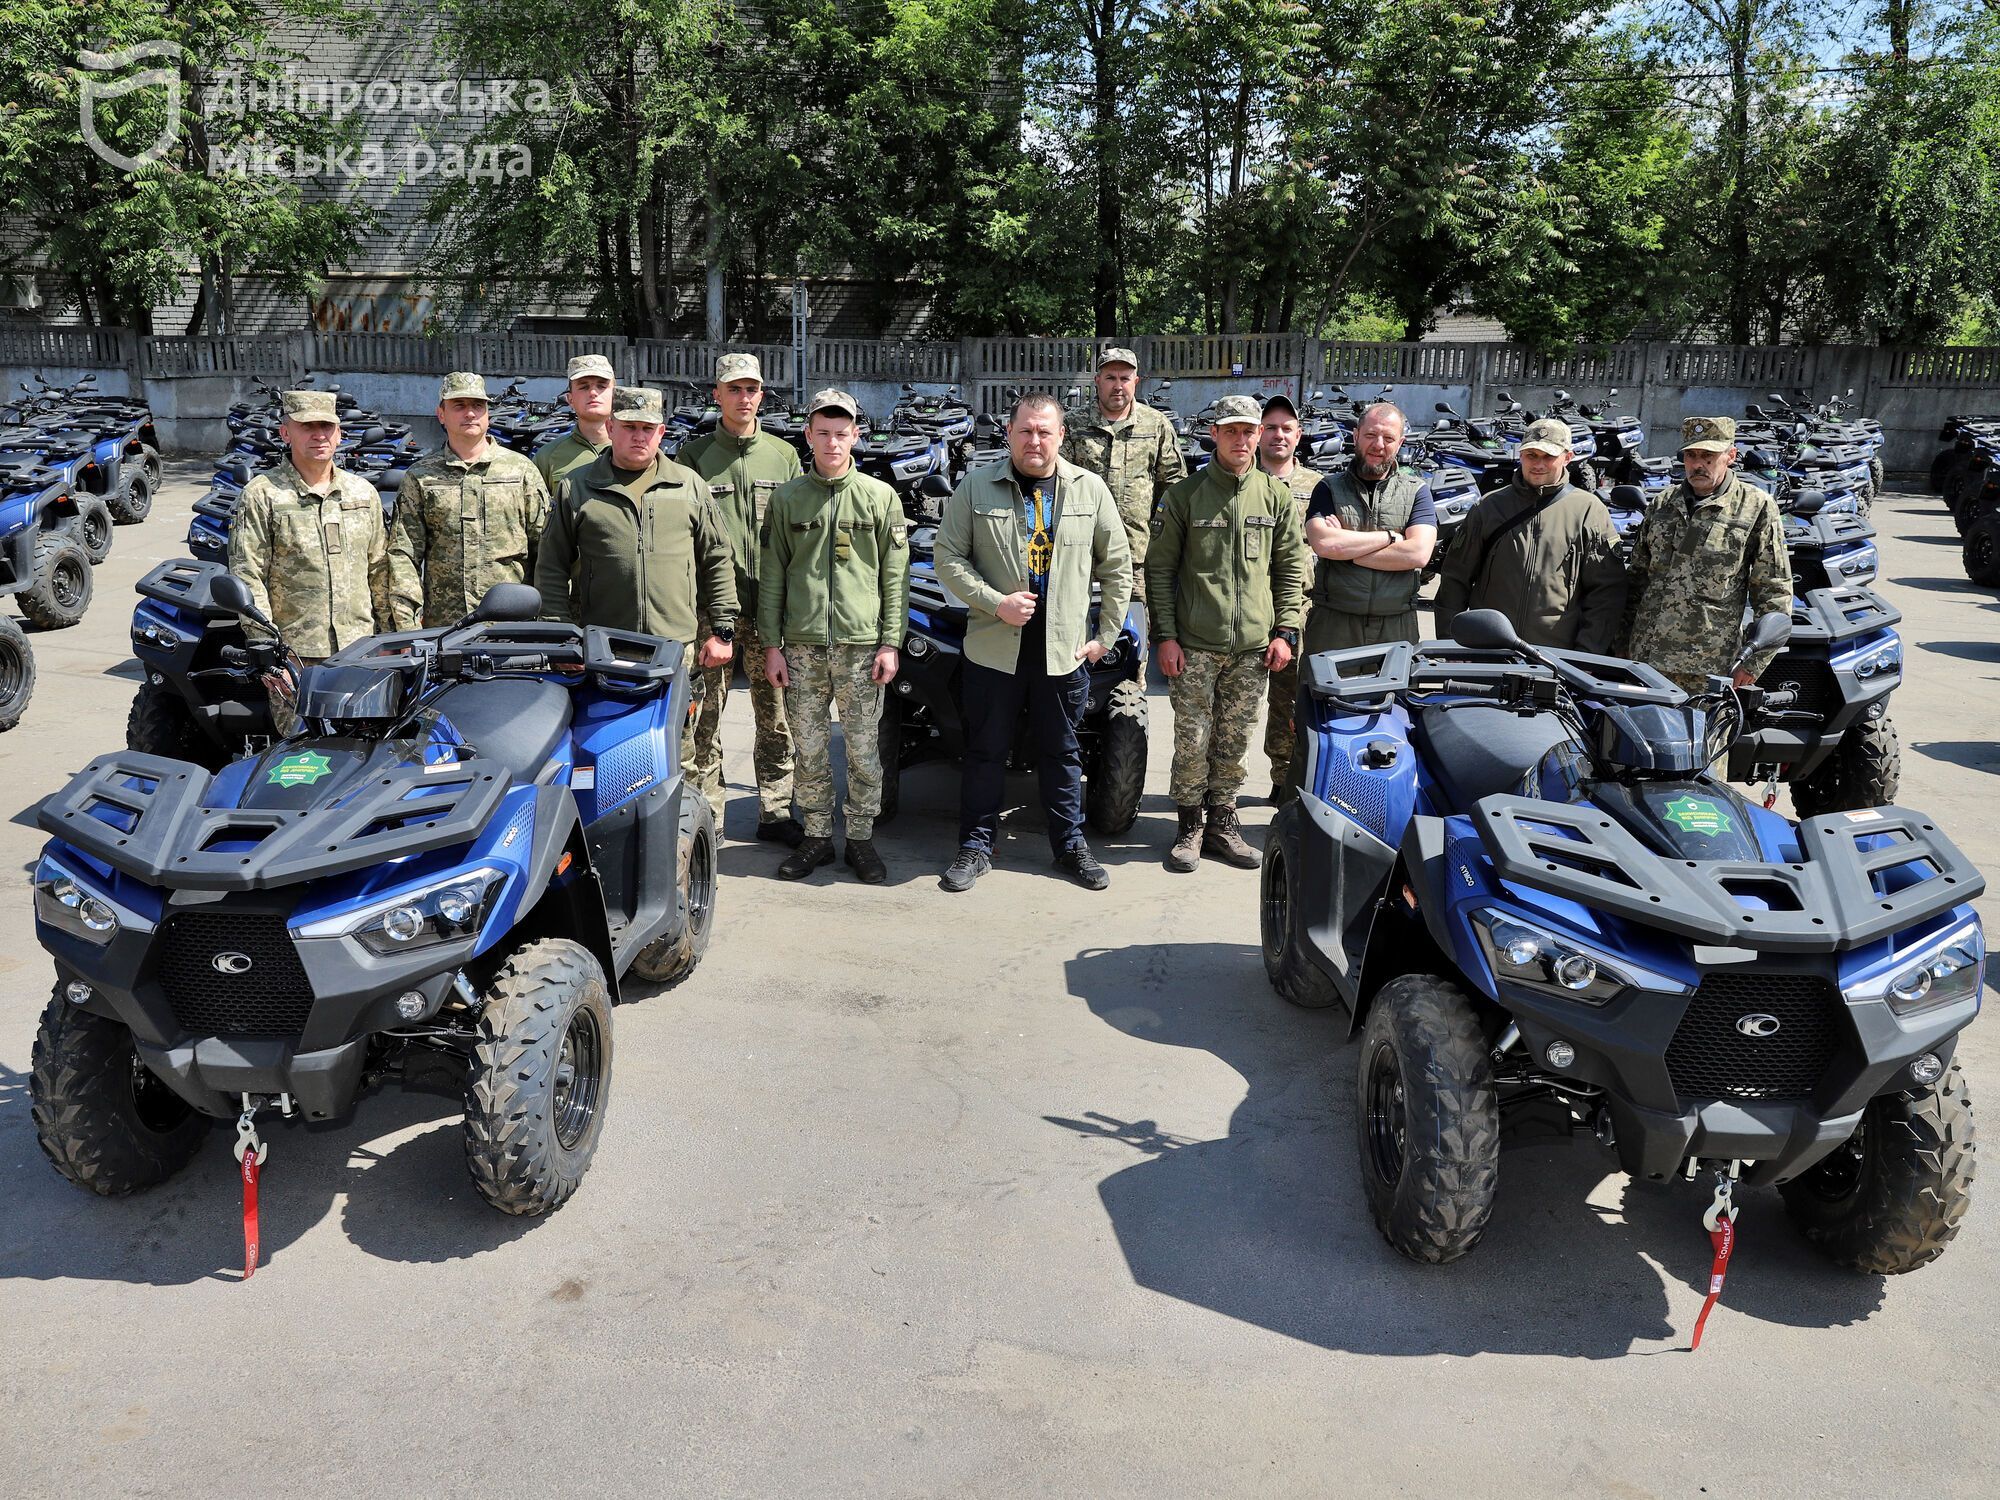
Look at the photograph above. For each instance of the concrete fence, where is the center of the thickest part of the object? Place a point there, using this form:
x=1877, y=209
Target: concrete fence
x=190, y=382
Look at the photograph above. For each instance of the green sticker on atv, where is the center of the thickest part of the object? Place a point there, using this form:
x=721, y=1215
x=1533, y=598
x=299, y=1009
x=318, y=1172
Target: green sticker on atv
x=1696, y=815
x=300, y=770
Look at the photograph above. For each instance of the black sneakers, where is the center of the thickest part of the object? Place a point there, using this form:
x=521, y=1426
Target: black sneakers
x=962, y=871
x=809, y=856
x=1081, y=866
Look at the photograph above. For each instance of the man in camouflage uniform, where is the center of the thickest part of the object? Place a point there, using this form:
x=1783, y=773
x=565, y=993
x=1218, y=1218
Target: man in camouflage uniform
x=834, y=587
x=1707, y=548
x=309, y=543
x=634, y=542
x=1226, y=576
x=1130, y=446
x=589, y=396
x=469, y=515
x=1277, y=455
x=744, y=466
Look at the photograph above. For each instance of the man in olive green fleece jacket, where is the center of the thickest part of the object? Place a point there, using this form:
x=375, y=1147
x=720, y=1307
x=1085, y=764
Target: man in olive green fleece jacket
x=634, y=543
x=744, y=465
x=833, y=596
x=1225, y=581
x=1541, y=551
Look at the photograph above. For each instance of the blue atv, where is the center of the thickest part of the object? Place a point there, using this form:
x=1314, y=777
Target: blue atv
x=43, y=564
x=475, y=834
x=922, y=713
x=1515, y=870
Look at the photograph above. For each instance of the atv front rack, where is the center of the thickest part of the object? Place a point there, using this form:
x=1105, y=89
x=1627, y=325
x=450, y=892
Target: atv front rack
x=1839, y=614
x=187, y=584
x=143, y=814
x=1864, y=876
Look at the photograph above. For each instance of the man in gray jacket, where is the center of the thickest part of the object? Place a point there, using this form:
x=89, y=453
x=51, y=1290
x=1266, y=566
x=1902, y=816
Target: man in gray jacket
x=1541, y=551
x=1021, y=542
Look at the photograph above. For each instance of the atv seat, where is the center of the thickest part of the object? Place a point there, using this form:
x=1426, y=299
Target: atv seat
x=1475, y=751
x=512, y=722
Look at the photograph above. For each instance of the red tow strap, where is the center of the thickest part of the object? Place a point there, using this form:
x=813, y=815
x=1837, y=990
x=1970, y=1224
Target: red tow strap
x=1723, y=1236
x=250, y=1246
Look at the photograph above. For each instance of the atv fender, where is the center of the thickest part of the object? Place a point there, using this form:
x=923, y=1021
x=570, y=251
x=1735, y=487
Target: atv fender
x=1420, y=869
x=563, y=897
x=1343, y=871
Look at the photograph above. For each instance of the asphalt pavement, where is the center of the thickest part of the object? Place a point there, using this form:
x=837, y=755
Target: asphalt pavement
x=1032, y=1191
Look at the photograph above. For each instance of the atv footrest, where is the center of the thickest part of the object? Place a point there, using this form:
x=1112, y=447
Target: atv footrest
x=1863, y=876
x=143, y=814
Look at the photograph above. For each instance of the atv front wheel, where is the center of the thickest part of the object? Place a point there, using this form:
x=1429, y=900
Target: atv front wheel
x=17, y=673
x=158, y=723
x=92, y=527
x=1118, y=780
x=889, y=749
x=1865, y=770
x=1427, y=1119
x=61, y=590
x=1891, y=1198
x=132, y=501
x=541, y=1070
x=1280, y=918
x=1982, y=550
x=670, y=960
x=102, y=1117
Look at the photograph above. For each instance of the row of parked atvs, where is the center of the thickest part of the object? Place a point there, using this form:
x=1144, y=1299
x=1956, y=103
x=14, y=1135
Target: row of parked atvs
x=1966, y=473
x=73, y=465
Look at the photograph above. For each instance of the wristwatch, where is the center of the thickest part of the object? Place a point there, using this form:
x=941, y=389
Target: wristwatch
x=1288, y=635
x=725, y=633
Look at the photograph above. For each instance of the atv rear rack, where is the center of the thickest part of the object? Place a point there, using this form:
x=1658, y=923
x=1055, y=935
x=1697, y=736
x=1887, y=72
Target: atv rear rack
x=1840, y=614
x=142, y=814
x=1365, y=679
x=1838, y=897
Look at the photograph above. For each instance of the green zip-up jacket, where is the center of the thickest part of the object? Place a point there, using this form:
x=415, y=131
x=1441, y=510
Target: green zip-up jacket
x=835, y=569
x=641, y=551
x=743, y=474
x=1226, y=566
x=562, y=458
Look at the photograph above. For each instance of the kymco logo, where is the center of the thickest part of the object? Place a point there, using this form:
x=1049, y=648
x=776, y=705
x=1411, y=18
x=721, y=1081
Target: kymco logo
x=93, y=89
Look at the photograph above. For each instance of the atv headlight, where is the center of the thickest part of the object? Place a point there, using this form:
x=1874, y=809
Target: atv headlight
x=66, y=903
x=1532, y=955
x=1884, y=659
x=1950, y=971
x=445, y=911
x=1860, y=560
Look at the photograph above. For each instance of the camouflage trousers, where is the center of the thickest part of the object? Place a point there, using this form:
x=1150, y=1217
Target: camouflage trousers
x=1215, y=708
x=1280, y=740
x=771, y=752
x=825, y=678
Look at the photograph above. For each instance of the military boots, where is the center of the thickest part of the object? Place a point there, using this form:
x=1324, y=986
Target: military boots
x=1223, y=838
x=1186, y=853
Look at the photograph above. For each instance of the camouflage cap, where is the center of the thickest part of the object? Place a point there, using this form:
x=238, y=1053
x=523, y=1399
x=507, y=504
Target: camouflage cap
x=462, y=385
x=590, y=364
x=308, y=406
x=738, y=367
x=1549, y=435
x=637, y=403
x=1117, y=356
x=833, y=400
x=1708, y=434
x=1232, y=409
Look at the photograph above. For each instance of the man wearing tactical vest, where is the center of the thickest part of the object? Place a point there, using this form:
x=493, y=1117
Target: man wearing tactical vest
x=744, y=465
x=1225, y=574
x=1372, y=527
x=1278, y=455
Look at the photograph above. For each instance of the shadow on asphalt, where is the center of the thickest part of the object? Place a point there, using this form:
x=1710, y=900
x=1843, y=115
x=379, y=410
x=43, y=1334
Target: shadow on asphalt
x=1941, y=585
x=1964, y=650
x=1268, y=1225
x=409, y=1201
x=1975, y=755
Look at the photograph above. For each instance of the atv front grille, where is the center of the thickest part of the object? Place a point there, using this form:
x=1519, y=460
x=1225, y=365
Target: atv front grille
x=213, y=991
x=1726, y=1047
x=1812, y=680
